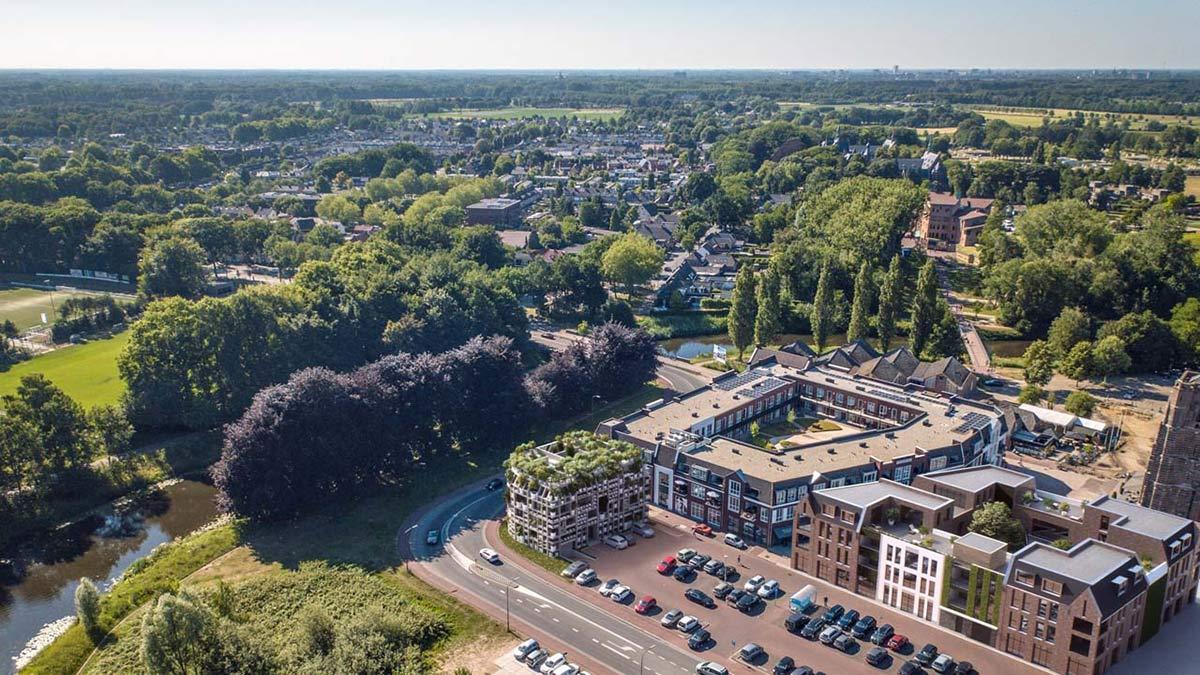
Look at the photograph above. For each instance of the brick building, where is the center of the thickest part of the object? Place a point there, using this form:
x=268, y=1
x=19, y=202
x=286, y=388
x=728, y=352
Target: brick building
x=495, y=211
x=1173, y=474
x=948, y=222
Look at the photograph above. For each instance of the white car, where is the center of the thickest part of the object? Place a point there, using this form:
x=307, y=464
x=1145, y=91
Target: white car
x=671, y=618
x=566, y=669
x=536, y=657
x=608, y=587
x=710, y=668
x=621, y=594
x=688, y=624
x=616, y=541
x=551, y=663
x=942, y=663
x=525, y=649
x=586, y=577
x=769, y=590
x=489, y=555
x=735, y=541
x=685, y=554
x=754, y=583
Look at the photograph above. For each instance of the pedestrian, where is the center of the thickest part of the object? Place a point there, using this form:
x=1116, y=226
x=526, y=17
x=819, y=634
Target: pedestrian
x=739, y=560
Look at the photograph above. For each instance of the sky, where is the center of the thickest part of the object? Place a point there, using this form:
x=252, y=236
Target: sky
x=599, y=34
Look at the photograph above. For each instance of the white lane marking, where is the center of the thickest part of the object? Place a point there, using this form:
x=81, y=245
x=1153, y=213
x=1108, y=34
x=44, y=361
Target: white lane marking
x=450, y=521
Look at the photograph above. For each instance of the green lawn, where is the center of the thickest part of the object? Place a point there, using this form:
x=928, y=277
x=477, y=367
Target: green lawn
x=521, y=113
x=87, y=372
x=1032, y=117
x=24, y=306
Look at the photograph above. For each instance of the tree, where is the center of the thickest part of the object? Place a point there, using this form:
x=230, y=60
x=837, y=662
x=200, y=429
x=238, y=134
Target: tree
x=1185, y=324
x=945, y=339
x=176, y=635
x=631, y=260
x=87, y=608
x=1077, y=364
x=323, y=234
x=1070, y=328
x=339, y=208
x=822, y=309
x=861, y=309
x=767, y=321
x=172, y=266
x=1081, y=403
x=1039, y=363
x=1148, y=340
x=924, y=308
x=743, y=310
x=1031, y=394
x=699, y=186
x=995, y=520
x=1109, y=356
x=889, y=304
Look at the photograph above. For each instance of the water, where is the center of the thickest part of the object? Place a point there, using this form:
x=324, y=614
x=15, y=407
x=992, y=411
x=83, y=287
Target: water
x=46, y=593
x=1007, y=348
x=691, y=347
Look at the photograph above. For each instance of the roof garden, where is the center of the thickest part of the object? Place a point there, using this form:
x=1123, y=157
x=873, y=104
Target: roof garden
x=572, y=461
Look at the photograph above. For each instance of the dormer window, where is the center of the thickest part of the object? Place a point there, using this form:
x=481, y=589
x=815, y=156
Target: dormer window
x=1120, y=583
x=1024, y=578
x=1052, y=587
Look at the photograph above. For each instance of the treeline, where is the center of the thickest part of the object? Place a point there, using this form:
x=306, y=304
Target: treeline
x=322, y=435
x=1075, y=136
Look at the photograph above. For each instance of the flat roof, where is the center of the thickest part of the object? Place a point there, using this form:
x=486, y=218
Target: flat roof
x=1142, y=520
x=979, y=478
x=712, y=400
x=494, y=203
x=863, y=495
x=980, y=542
x=1089, y=561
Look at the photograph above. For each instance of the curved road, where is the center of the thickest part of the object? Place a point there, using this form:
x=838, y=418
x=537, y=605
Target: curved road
x=557, y=619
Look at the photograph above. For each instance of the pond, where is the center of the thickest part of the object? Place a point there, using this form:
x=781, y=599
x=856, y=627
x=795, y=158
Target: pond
x=54, y=564
x=702, y=345
x=1007, y=348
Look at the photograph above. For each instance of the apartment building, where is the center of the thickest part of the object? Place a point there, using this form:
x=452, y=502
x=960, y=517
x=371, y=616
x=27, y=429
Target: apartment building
x=948, y=222
x=574, y=490
x=1173, y=473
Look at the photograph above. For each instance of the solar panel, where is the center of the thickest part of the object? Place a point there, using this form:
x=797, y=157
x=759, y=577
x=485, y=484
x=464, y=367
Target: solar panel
x=740, y=380
x=973, y=421
x=764, y=387
x=899, y=398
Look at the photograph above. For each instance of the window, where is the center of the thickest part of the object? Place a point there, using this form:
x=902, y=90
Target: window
x=735, y=503
x=1024, y=627
x=1081, y=625
x=850, y=401
x=1041, y=608
x=1053, y=612
x=937, y=463
x=735, y=488
x=1050, y=634
x=903, y=473
x=1024, y=578
x=837, y=482
x=791, y=494
x=780, y=496
x=697, y=511
x=1052, y=587
x=870, y=476
x=871, y=407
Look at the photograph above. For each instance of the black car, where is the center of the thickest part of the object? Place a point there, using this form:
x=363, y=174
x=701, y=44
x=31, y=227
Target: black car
x=833, y=613
x=863, y=629
x=684, y=573
x=698, y=561
x=848, y=619
x=964, y=668
x=813, y=629
x=877, y=656
x=927, y=654
x=699, y=597
x=747, y=602
x=844, y=643
x=784, y=666
x=495, y=484
x=911, y=668
x=803, y=670
x=795, y=622
x=883, y=634
x=733, y=596
x=699, y=639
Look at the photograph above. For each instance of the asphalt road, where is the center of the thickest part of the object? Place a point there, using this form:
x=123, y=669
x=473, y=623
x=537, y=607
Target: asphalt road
x=536, y=607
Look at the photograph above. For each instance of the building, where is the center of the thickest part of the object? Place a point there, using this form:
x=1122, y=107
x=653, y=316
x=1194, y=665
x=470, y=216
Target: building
x=1173, y=474
x=948, y=222
x=574, y=490
x=709, y=467
x=495, y=211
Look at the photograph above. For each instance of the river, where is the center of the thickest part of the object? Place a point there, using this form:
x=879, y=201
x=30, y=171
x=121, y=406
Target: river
x=46, y=592
x=691, y=347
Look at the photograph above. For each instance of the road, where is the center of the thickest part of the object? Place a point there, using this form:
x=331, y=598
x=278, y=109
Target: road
x=981, y=360
x=536, y=607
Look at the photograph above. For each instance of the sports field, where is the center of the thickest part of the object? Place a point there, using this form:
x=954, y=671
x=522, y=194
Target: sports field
x=521, y=113
x=24, y=306
x=87, y=372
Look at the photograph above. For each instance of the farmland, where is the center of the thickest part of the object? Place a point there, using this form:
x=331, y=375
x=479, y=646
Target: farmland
x=87, y=372
x=1032, y=117
x=522, y=113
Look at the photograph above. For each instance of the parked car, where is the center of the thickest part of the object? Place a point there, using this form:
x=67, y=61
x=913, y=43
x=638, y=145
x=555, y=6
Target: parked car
x=927, y=654
x=699, y=597
x=710, y=668
x=699, y=639
x=864, y=628
x=833, y=613
x=552, y=662
x=943, y=663
x=666, y=565
x=750, y=652
x=877, y=656
x=586, y=577
x=714, y=567
x=489, y=555
x=671, y=618
x=784, y=666
x=684, y=555
x=702, y=529
x=607, y=587
x=524, y=649
x=735, y=541
x=769, y=589
x=897, y=643
x=698, y=561
x=645, y=605
x=844, y=643
x=747, y=602
x=883, y=634
x=911, y=667
x=734, y=595
x=616, y=541
x=643, y=530
x=566, y=669
x=795, y=622
x=687, y=624
x=964, y=668
x=722, y=589
x=536, y=657
x=830, y=634
x=804, y=670
x=848, y=619
x=621, y=594
x=571, y=571
x=495, y=484
x=812, y=629
x=754, y=583
x=684, y=573
x=432, y=538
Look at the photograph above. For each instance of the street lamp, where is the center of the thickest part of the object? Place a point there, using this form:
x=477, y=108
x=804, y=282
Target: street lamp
x=642, y=660
x=508, y=589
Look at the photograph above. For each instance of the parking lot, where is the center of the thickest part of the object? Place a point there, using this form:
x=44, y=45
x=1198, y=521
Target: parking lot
x=764, y=624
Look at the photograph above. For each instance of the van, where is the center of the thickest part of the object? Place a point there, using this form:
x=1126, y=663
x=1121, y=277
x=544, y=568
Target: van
x=802, y=600
x=616, y=541
x=795, y=622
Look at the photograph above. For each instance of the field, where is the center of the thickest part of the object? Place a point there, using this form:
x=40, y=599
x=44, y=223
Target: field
x=1193, y=186
x=1032, y=117
x=24, y=306
x=87, y=372
x=520, y=113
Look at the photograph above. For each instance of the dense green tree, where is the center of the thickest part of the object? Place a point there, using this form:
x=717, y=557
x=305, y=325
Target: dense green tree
x=172, y=266
x=945, y=339
x=767, y=321
x=1148, y=340
x=1185, y=324
x=1031, y=394
x=1081, y=403
x=1040, y=360
x=87, y=607
x=632, y=260
x=821, y=318
x=1109, y=356
x=1070, y=328
x=924, y=308
x=743, y=310
x=860, y=311
x=995, y=520
x=1077, y=363
x=889, y=303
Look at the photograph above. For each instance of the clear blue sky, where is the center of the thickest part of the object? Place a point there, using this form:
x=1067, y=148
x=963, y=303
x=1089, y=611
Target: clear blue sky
x=402, y=34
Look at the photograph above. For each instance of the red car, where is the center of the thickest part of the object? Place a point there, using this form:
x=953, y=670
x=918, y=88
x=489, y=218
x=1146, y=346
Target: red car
x=646, y=605
x=703, y=529
x=897, y=642
x=667, y=565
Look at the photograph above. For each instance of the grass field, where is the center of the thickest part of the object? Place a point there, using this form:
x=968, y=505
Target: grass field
x=24, y=306
x=1193, y=186
x=87, y=373
x=520, y=113
x=1032, y=117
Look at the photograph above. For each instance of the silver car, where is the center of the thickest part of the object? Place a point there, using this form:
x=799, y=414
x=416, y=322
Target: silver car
x=671, y=618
